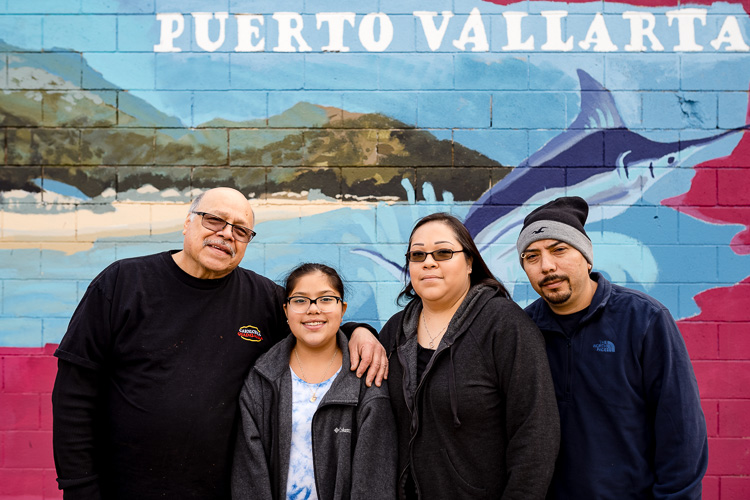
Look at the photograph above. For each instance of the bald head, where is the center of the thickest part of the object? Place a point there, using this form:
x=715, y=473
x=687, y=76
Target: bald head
x=222, y=193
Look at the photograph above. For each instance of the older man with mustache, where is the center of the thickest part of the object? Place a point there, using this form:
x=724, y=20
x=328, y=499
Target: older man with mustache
x=150, y=369
x=631, y=421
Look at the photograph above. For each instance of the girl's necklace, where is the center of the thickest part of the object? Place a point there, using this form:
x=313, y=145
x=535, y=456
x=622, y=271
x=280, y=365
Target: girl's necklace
x=427, y=330
x=314, y=393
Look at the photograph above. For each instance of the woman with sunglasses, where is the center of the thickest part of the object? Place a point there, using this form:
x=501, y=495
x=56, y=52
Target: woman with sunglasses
x=310, y=428
x=469, y=380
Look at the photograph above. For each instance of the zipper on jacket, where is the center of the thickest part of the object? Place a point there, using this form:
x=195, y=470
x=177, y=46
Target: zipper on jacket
x=404, y=387
x=569, y=369
x=414, y=426
x=275, y=447
x=312, y=441
x=402, y=477
x=312, y=448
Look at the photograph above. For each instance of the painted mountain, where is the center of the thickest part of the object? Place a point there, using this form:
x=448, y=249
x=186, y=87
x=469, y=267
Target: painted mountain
x=64, y=123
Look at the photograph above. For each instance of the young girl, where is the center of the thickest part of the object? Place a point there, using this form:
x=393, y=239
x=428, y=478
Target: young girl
x=310, y=428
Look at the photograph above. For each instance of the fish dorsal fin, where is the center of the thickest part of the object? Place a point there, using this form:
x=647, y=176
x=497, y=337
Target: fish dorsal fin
x=598, y=109
x=598, y=112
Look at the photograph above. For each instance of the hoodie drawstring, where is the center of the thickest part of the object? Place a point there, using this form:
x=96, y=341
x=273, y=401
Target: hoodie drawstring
x=452, y=393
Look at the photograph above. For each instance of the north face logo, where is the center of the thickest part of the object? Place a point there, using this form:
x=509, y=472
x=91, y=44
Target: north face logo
x=605, y=346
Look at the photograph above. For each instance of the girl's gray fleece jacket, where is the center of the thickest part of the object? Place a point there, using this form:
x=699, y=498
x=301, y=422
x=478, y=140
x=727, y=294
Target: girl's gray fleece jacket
x=482, y=422
x=353, y=435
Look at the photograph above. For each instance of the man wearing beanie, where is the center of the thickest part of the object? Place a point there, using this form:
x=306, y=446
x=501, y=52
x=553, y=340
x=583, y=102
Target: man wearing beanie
x=631, y=421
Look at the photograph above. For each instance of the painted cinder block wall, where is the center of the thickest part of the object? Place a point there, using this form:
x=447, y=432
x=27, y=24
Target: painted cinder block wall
x=106, y=139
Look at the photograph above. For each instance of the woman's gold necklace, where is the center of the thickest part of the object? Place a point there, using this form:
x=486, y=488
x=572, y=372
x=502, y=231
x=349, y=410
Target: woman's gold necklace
x=314, y=393
x=427, y=330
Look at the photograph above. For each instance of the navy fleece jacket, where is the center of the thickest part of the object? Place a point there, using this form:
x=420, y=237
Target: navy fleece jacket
x=630, y=414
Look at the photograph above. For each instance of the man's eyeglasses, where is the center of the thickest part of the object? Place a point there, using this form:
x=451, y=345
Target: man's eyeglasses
x=438, y=255
x=215, y=223
x=300, y=304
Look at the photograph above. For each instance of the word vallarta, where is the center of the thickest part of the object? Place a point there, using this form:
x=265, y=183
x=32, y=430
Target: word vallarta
x=640, y=31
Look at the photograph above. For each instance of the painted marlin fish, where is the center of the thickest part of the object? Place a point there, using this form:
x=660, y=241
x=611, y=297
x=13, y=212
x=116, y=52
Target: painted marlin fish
x=596, y=157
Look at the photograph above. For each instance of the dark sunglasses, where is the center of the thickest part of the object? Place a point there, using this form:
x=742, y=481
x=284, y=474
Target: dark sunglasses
x=438, y=255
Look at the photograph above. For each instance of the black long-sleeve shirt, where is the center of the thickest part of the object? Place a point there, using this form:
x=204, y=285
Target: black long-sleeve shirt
x=145, y=400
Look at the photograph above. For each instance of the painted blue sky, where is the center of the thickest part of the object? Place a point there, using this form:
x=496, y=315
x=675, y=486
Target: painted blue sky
x=197, y=86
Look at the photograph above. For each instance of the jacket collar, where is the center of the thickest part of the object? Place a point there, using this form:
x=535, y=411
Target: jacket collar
x=472, y=305
x=275, y=364
x=475, y=299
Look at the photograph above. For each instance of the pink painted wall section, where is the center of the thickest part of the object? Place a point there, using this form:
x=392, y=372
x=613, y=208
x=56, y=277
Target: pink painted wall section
x=27, y=470
x=718, y=338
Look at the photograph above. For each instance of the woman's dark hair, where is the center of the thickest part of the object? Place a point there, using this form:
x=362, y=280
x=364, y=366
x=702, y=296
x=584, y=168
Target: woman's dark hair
x=480, y=273
x=310, y=267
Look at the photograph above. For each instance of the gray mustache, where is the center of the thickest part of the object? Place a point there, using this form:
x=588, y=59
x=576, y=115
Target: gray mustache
x=219, y=243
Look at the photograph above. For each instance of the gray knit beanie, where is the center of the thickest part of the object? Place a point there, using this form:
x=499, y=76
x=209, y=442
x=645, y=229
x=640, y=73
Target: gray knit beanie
x=561, y=219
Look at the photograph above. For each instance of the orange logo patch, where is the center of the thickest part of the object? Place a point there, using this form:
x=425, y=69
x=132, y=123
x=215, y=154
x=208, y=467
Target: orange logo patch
x=250, y=333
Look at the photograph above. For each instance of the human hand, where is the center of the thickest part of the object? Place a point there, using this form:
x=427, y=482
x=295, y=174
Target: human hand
x=367, y=354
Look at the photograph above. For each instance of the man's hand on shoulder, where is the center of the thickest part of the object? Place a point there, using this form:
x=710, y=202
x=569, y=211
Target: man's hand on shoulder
x=367, y=354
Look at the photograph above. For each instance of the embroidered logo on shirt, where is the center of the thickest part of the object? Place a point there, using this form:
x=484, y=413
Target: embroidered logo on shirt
x=250, y=333
x=341, y=429
x=605, y=346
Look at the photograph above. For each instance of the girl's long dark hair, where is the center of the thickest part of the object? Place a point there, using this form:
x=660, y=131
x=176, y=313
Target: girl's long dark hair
x=480, y=273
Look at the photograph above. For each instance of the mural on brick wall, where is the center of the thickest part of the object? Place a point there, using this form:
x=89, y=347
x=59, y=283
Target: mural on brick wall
x=343, y=127
x=343, y=123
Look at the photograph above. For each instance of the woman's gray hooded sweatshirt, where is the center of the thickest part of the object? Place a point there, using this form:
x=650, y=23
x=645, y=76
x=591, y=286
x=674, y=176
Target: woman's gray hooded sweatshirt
x=482, y=422
x=353, y=435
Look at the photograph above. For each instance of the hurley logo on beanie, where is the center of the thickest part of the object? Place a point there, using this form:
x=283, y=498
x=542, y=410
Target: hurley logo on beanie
x=561, y=219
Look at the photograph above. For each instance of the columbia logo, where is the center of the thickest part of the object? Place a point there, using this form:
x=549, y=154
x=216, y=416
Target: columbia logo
x=605, y=346
x=341, y=429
